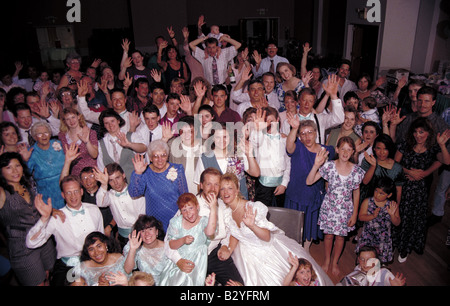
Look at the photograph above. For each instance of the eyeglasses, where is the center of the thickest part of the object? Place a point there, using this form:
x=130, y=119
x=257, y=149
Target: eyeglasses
x=66, y=94
x=75, y=192
x=39, y=135
x=306, y=133
x=160, y=156
x=88, y=176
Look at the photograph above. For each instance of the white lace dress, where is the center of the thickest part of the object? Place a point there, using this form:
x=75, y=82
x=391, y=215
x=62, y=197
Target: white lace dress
x=263, y=263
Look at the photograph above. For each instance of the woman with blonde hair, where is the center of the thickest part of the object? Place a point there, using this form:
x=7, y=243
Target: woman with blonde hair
x=75, y=130
x=289, y=81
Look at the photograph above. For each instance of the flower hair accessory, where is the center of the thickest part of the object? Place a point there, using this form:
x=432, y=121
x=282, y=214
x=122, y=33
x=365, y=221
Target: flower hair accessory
x=172, y=174
x=57, y=146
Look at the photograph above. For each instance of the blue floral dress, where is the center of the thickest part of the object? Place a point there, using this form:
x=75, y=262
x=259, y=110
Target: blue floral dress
x=378, y=232
x=46, y=167
x=337, y=206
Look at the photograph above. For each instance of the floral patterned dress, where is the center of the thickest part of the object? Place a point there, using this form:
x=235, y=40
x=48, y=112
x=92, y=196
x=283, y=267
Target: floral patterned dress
x=337, y=206
x=377, y=232
x=411, y=233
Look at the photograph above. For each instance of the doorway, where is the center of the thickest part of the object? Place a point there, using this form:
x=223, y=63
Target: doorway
x=364, y=50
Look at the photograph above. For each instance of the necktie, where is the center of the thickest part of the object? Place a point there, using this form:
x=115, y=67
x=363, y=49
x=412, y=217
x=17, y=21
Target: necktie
x=151, y=136
x=115, y=152
x=31, y=141
x=272, y=67
x=215, y=72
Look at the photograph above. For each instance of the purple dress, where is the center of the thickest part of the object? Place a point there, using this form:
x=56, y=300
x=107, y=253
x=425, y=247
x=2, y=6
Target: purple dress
x=378, y=232
x=337, y=206
x=300, y=196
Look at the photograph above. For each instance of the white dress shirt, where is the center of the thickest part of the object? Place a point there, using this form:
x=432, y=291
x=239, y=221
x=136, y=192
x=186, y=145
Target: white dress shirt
x=265, y=65
x=326, y=120
x=124, y=208
x=225, y=57
x=136, y=138
x=70, y=234
x=270, y=153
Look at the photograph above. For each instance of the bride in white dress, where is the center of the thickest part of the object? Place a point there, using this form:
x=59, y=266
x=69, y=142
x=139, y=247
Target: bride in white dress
x=259, y=249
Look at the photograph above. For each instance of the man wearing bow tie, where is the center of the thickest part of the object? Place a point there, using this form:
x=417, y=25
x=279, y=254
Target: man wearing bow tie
x=70, y=227
x=325, y=120
x=214, y=59
x=124, y=208
x=270, y=153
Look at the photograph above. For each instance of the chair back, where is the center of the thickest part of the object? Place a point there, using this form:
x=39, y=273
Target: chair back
x=288, y=220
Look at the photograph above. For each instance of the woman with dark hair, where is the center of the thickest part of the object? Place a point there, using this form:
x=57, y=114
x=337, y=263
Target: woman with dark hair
x=18, y=214
x=221, y=153
x=9, y=137
x=73, y=75
x=117, y=145
x=381, y=164
x=174, y=67
x=420, y=154
x=99, y=257
x=370, y=130
x=145, y=249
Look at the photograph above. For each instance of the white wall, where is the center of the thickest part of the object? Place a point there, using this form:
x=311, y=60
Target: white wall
x=400, y=27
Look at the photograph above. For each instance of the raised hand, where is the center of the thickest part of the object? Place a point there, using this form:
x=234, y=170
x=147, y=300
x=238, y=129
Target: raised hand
x=185, y=104
x=83, y=88
x=24, y=151
x=139, y=164
x=71, y=152
x=249, y=216
x=257, y=57
x=306, y=78
x=321, y=157
x=260, y=120
x=167, y=131
x=370, y=158
x=391, y=209
x=200, y=89
x=331, y=88
x=293, y=120
x=293, y=260
x=102, y=177
x=123, y=140
x=44, y=209
x=171, y=32
x=135, y=240
x=156, y=75
x=306, y=48
x=125, y=45
x=443, y=138
x=127, y=81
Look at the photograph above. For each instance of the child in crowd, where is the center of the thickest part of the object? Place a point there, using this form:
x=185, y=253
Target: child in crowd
x=339, y=210
x=190, y=234
x=301, y=273
x=378, y=213
x=368, y=112
x=368, y=272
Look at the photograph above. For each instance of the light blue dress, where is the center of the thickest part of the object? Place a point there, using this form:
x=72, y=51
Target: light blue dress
x=46, y=167
x=196, y=252
x=147, y=260
x=91, y=274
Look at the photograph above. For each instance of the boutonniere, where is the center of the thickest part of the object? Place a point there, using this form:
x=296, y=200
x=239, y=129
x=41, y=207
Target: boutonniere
x=172, y=174
x=57, y=146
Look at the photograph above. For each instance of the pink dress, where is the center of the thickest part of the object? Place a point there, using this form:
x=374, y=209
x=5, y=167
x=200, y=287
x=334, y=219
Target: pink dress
x=84, y=160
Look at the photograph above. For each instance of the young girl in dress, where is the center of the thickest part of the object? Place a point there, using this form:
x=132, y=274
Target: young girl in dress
x=378, y=213
x=339, y=210
x=301, y=273
x=190, y=234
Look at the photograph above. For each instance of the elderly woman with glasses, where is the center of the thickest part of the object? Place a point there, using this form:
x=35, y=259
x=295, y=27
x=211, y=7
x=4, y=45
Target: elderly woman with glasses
x=302, y=147
x=45, y=160
x=160, y=181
